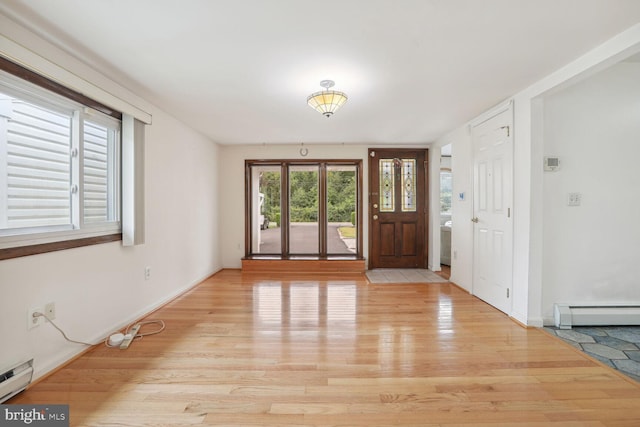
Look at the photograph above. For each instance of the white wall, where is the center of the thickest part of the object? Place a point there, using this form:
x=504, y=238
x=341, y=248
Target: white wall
x=528, y=175
x=590, y=253
x=99, y=288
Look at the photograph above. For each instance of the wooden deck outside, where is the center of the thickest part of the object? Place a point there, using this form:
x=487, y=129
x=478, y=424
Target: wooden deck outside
x=333, y=350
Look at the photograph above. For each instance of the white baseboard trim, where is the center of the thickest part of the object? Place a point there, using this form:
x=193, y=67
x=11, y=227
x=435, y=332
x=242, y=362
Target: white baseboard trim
x=533, y=322
x=519, y=317
x=536, y=322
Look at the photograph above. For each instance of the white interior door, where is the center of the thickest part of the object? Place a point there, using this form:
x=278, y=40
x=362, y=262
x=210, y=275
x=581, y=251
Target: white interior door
x=492, y=198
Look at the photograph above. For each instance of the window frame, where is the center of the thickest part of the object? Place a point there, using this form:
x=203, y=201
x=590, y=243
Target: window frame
x=37, y=240
x=285, y=165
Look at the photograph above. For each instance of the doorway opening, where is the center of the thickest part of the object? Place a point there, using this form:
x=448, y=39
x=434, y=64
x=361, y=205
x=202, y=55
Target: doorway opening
x=446, y=194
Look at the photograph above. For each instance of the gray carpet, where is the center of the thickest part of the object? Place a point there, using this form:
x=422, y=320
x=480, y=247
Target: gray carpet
x=403, y=275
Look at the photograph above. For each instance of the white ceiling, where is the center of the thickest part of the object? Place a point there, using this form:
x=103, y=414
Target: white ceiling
x=239, y=71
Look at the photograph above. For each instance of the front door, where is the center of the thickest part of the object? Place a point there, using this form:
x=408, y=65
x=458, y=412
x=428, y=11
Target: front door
x=397, y=208
x=493, y=236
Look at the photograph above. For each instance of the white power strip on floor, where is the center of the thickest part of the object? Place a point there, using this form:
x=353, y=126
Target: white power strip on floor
x=129, y=336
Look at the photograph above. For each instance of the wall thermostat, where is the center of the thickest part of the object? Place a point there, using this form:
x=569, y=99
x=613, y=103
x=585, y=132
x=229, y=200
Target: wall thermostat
x=551, y=164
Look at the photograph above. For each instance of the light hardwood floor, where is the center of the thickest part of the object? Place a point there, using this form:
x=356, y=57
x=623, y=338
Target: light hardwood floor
x=330, y=350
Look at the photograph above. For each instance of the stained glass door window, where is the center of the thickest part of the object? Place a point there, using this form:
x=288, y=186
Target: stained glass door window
x=387, y=185
x=407, y=176
x=408, y=185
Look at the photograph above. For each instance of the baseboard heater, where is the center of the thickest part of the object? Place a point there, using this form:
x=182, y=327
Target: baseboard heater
x=15, y=379
x=568, y=315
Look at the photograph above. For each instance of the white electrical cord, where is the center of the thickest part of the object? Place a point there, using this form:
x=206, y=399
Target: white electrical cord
x=38, y=314
x=148, y=322
x=106, y=342
x=139, y=334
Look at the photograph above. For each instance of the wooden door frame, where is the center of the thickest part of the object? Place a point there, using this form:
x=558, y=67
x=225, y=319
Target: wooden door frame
x=372, y=189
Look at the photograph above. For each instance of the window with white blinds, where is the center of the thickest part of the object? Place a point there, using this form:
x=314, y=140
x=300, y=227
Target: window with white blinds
x=37, y=168
x=59, y=167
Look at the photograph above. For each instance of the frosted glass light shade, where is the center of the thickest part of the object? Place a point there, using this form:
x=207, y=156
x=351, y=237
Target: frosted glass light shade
x=326, y=101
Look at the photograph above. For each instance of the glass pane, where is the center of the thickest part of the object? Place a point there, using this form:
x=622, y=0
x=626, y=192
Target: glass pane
x=387, y=185
x=265, y=218
x=100, y=182
x=35, y=165
x=409, y=185
x=303, y=210
x=446, y=192
x=341, y=210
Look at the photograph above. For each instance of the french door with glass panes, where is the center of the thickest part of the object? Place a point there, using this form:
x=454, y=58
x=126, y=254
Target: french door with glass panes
x=309, y=208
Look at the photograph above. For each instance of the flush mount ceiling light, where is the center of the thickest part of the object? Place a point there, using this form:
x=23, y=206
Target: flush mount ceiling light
x=326, y=101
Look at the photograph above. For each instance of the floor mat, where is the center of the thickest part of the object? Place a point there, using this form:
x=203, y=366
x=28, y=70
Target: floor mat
x=403, y=275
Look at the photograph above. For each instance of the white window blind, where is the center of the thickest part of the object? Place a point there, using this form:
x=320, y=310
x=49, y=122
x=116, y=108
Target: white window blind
x=36, y=156
x=100, y=172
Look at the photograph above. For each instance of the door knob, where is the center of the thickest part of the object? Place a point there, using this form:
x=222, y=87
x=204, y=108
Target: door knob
x=375, y=217
x=475, y=219
x=375, y=206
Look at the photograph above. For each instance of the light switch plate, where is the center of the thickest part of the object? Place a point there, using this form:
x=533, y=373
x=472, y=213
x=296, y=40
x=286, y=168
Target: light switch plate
x=574, y=199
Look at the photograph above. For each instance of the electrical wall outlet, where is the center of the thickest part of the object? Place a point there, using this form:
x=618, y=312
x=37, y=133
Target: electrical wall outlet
x=32, y=321
x=147, y=273
x=50, y=310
